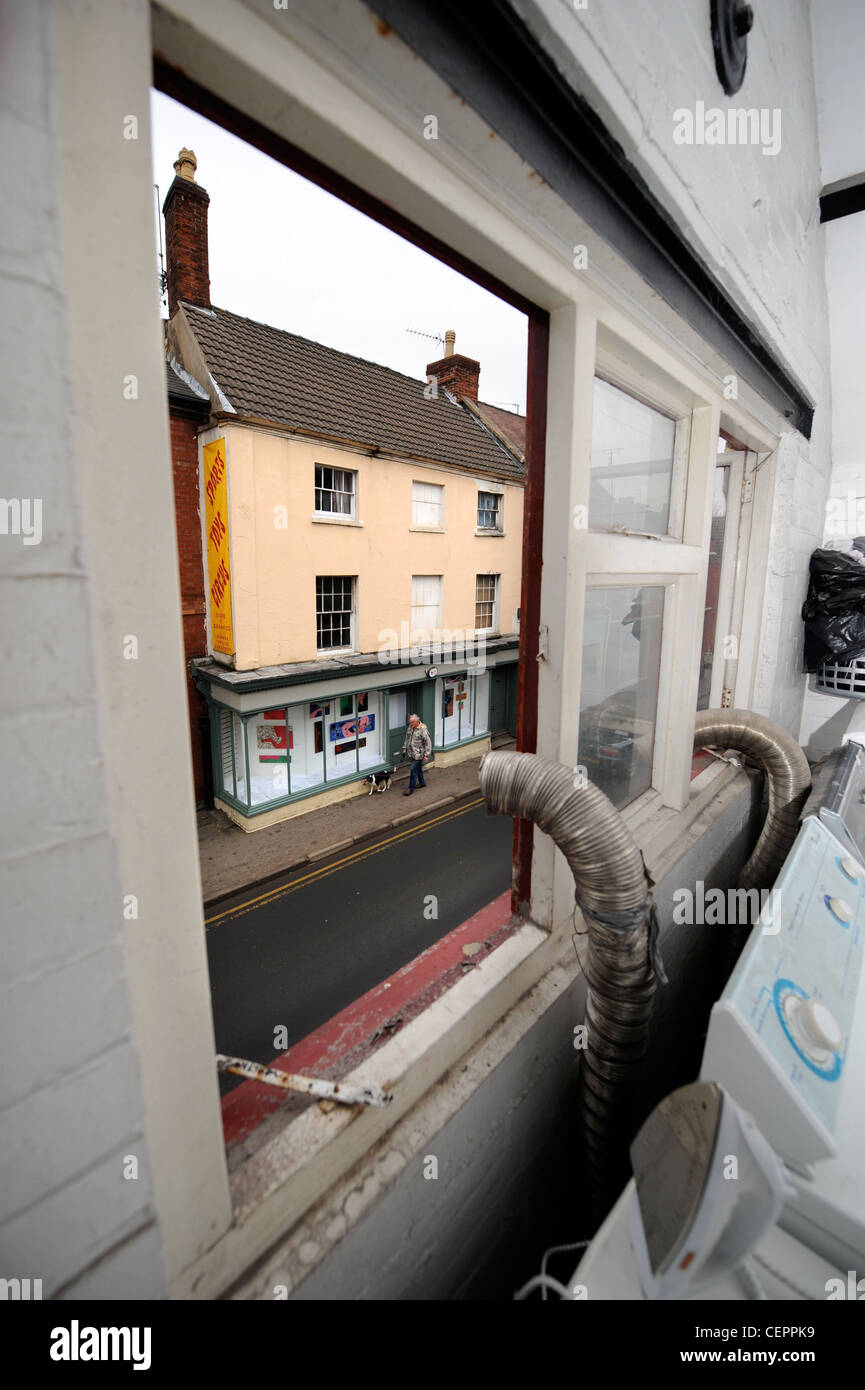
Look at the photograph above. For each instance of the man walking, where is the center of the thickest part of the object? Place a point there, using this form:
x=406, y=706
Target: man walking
x=417, y=746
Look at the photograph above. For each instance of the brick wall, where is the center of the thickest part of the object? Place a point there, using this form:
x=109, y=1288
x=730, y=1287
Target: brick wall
x=184, y=458
x=186, y=251
x=459, y=374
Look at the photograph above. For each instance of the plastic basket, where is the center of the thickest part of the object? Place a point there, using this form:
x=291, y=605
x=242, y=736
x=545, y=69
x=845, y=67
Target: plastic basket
x=845, y=678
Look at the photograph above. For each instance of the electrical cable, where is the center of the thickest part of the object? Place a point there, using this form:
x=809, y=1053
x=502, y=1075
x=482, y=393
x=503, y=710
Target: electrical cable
x=558, y=1250
x=545, y=1281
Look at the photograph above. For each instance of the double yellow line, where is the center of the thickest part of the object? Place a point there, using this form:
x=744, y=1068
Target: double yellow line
x=275, y=894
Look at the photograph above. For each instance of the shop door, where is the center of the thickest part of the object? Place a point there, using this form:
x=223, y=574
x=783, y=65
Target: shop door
x=398, y=713
x=403, y=700
x=498, y=700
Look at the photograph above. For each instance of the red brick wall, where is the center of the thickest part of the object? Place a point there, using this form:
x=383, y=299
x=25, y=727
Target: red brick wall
x=186, y=254
x=459, y=374
x=184, y=456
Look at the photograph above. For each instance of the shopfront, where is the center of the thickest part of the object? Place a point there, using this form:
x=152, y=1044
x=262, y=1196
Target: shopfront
x=284, y=751
x=271, y=749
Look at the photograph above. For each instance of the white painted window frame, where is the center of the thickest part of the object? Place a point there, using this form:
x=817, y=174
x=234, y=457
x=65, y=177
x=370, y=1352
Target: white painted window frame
x=437, y=625
x=733, y=460
x=342, y=517
x=497, y=591
x=676, y=561
x=255, y=59
x=491, y=491
x=352, y=647
x=419, y=526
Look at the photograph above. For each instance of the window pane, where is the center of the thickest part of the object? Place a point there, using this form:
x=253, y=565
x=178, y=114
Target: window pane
x=632, y=463
x=449, y=713
x=713, y=584
x=425, y=606
x=353, y=740
x=485, y=602
x=474, y=705
x=270, y=745
x=239, y=757
x=371, y=742
x=488, y=509
x=618, y=706
x=426, y=505
x=398, y=709
x=334, y=490
x=334, y=607
x=306, y=766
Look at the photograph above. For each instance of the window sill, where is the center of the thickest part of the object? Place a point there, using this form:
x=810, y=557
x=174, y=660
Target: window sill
x=283, y=1166
x=325, y=520
x=430, y=530
x=487, y=531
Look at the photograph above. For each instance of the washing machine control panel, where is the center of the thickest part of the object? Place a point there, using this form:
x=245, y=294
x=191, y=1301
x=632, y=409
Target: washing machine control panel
x=778, y=1036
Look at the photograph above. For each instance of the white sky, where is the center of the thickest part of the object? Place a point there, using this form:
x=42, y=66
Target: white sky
x=284, y=252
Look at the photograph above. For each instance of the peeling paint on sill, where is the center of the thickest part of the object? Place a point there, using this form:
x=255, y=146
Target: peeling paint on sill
x=342, y=1044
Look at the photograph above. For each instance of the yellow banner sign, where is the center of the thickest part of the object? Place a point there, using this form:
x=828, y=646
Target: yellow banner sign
x=216, y=530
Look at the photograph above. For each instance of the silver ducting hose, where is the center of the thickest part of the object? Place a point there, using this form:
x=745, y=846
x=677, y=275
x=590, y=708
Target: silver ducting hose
x=613, y=893
x=787, y=773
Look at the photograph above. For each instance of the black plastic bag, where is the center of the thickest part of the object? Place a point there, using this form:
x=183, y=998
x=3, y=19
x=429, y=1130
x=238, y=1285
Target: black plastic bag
x=834, y=611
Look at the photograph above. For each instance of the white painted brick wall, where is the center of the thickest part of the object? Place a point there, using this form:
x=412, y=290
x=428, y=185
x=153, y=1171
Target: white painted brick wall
x=67, y=1216
x=752, y=217
x=71, y=1104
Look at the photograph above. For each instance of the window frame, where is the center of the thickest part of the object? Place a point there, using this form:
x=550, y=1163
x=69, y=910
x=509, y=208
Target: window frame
x=676, y=562
x=652, y=394
x=352, y=646
x=419, y=526
x=499, y=528
x=437, y=626
x=406, y=177
x=471, y=680
x=732, y=577
x=339, y=517
x=494, y=627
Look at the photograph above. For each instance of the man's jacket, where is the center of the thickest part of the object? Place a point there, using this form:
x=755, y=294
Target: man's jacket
x=418, y=743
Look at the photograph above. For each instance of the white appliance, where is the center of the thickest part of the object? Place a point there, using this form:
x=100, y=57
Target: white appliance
x=786, y=1043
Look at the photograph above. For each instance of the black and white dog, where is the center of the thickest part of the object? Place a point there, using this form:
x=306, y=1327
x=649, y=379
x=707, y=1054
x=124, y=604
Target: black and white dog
x=379, y=781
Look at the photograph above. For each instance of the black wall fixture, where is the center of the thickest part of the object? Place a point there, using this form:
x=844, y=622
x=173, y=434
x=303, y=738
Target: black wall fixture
x=732, y=21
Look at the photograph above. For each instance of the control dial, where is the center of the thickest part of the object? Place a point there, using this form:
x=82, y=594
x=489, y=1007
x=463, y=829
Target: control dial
x=849, y=868
x=813, y=1027
x=840, y=909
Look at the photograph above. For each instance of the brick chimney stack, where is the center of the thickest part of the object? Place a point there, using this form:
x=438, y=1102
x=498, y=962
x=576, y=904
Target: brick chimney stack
x=185, y=212
x=459, y=374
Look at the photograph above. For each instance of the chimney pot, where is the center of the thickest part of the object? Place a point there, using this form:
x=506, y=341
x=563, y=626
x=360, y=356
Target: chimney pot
x=450, y=340
x=186, y=164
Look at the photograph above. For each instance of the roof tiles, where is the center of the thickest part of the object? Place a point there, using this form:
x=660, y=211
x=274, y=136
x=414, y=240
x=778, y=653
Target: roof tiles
x=268, y=374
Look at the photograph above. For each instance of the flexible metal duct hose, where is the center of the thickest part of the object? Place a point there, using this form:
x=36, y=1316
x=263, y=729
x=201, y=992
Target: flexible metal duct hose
x=787, y=773
x=612, y=891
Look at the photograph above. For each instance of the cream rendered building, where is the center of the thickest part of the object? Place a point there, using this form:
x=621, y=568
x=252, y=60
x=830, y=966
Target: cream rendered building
x=362, y=533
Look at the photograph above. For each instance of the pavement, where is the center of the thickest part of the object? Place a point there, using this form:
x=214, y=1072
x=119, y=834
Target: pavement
x=232, y=859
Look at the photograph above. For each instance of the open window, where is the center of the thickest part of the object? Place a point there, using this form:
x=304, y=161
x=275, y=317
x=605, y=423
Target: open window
x=626, y=589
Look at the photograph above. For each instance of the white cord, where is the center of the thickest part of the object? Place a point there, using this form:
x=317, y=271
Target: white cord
x=544, y=1281
x=557, y=1250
